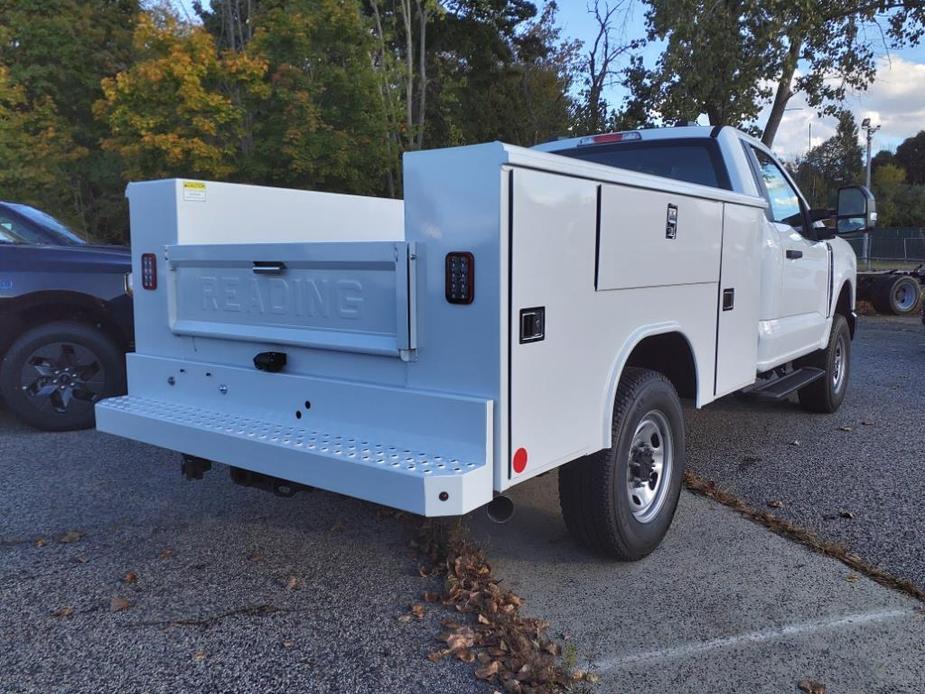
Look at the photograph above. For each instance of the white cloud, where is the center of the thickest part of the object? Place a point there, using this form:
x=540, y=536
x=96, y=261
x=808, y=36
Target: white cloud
x=895, y=101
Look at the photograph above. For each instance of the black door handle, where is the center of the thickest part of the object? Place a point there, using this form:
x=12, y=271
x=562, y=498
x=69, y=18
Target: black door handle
x=793, y=255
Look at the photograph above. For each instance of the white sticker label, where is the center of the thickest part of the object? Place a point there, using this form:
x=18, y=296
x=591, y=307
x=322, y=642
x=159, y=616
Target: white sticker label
x=194, y=190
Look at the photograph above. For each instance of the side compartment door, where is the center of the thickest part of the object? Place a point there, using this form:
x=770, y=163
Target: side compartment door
x=552, y=262
x=738, y=308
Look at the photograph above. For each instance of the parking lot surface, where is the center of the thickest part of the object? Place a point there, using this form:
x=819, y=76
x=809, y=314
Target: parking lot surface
x=116, y=574
x=234, y=590
x=856, y=477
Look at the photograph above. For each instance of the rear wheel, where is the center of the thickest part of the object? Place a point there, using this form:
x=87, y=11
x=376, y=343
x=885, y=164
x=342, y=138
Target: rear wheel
x=897, y=295
x=620, y=501
x=827, y=393
x=53, y=375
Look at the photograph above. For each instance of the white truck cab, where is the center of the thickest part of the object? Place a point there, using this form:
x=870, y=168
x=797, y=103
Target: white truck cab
x=522, y=310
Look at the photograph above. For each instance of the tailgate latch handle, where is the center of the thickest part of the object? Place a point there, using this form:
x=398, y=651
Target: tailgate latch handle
x=268, y=268
x=270, y=361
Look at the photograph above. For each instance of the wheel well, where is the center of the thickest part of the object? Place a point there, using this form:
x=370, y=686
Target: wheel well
x=843, y=306
x=671, y=355
x=35, y=309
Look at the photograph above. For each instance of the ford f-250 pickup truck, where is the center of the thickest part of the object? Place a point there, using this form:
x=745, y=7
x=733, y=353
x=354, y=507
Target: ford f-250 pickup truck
x=523, y=310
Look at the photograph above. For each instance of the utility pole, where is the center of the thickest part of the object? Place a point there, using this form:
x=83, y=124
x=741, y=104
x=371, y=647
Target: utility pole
x=869, y=132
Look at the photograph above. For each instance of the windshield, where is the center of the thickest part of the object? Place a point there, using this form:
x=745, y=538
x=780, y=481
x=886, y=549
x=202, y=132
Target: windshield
x=24, y=224
x=691, y=160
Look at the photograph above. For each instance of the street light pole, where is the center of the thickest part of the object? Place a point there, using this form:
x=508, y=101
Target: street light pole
x=869, y=131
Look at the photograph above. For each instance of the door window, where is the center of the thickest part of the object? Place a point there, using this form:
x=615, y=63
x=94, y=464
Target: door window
x=783, y=197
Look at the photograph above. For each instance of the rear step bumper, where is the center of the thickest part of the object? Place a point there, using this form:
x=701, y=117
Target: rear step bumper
x=432, y=483
x=427, y=452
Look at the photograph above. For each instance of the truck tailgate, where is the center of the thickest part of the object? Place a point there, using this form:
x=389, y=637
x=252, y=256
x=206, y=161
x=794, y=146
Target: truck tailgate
x=354, y=297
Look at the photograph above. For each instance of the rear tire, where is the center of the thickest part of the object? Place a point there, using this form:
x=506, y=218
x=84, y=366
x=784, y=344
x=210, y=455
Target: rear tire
x=827, y=394
x=53, y=374
x=896, y=295
x=620, y=501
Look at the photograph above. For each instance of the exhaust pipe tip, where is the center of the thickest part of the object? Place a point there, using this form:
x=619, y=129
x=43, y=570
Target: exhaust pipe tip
x=500, y=509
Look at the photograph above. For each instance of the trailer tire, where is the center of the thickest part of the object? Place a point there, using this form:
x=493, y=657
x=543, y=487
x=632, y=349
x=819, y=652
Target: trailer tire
x=896, y=295
x=54, y=373
x=827, y=394
x=605, y=503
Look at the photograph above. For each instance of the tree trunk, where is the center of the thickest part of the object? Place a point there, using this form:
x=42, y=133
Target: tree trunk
x=784, y=92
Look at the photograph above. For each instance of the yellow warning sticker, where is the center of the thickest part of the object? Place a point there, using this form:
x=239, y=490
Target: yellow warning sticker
x=194, y=190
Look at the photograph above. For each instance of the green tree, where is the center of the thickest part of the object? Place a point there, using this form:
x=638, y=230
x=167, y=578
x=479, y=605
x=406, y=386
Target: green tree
x=730, y=58
x=831, y=164
x=911, y=156
x=321, y=124
x=57, y=51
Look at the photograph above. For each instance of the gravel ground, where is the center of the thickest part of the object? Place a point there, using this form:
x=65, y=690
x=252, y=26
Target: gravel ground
x=298, y=594
x=866, y=462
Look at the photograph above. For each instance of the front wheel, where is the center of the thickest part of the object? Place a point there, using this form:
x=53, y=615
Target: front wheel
x=827, y=393
x=620, y=501
x=53, y=374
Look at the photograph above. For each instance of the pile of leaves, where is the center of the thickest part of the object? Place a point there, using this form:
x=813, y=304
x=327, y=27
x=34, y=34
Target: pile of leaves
x=505, y=647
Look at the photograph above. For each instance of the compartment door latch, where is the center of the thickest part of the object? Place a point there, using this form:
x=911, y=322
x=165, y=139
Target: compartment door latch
x=532, y=324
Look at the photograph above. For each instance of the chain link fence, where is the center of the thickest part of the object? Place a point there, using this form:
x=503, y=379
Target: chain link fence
x=904, y=246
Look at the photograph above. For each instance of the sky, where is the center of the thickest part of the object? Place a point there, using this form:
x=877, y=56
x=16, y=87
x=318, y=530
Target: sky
x=895, y=101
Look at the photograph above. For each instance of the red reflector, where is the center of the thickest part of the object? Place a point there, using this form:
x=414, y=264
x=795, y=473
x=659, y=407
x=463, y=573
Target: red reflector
x=149, y=271
x=520, y=460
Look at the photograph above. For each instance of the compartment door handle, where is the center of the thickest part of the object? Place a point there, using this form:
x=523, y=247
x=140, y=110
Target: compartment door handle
x=267, y=268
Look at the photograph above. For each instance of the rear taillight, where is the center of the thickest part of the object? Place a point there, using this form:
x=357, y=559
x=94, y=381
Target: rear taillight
x=460, y=277
x=149, y=271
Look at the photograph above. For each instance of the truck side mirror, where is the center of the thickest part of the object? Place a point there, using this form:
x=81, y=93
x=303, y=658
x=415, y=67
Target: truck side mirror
x=857, y=210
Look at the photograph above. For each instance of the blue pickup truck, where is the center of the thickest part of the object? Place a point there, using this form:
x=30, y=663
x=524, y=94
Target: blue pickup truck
x=65, y=320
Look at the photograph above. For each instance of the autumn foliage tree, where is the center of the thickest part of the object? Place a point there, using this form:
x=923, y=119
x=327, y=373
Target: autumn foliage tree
x=170, y=113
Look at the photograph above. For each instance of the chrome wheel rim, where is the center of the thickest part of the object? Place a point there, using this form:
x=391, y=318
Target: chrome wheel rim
x=839, y=364
x=649, y=468
x=906, y=296
x=62, y=377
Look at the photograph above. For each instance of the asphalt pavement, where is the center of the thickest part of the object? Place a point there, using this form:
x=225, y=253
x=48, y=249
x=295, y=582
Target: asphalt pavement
x=856, y=477
x=117, y=575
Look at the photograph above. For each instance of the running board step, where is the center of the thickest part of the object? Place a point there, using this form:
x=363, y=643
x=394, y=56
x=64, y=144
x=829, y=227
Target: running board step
x=780, y=388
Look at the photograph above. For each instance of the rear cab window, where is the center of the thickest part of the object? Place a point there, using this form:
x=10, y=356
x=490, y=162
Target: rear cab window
x=692, y=160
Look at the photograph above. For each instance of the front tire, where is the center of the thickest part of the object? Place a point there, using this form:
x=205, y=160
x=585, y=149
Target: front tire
x=53, y=374
x=620, y=501
x=827, y=393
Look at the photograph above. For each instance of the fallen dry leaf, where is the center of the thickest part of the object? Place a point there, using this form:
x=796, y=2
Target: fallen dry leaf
x=117, y=604
x=431, y=597
x=465, y=655
x=41, y=542
x=70, y=536
x=81, y=559
x=63, y=612
x=199, y=656
x=166, y=553
x=256, y=556
x=405, y=618
x=795, y=443
x=852, y=578
x=488, y=671
x=775, y=503
x=846, y=514
x=288, y=644
x=483, y=619
x=811, y=687
x=846, y=428
x=130, y=577
x=425, y=571
x=417, y=610
x=293, y=583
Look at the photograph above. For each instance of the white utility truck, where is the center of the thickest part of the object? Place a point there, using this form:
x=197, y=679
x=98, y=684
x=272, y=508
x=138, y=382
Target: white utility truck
x=523, y=310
